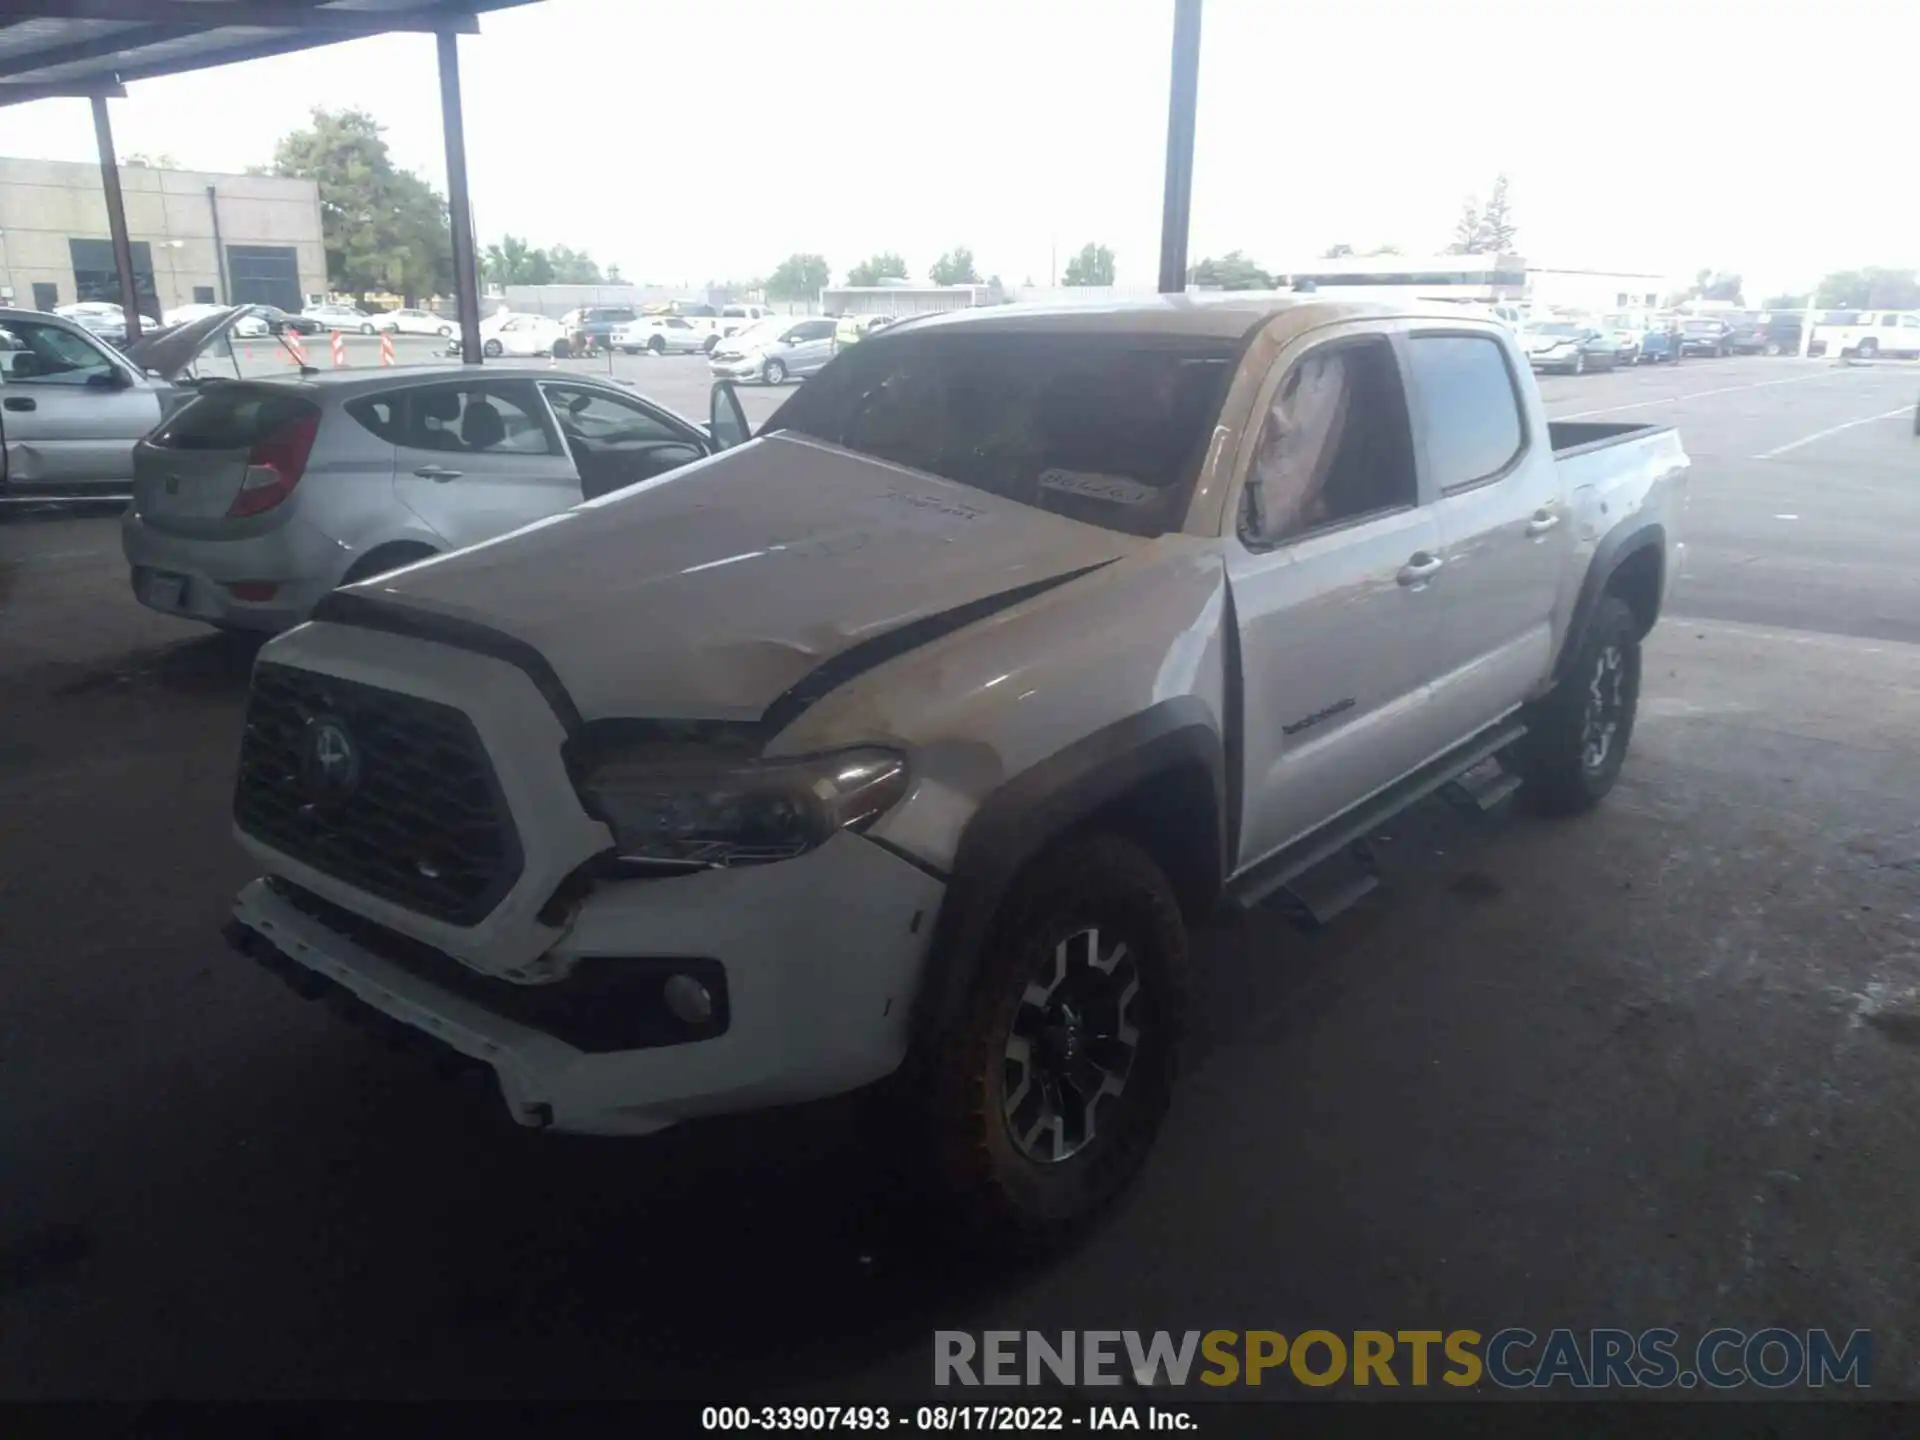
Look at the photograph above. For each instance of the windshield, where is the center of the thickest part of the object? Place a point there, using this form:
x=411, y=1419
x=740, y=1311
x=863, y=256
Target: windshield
x=1554, y=327
x=761, y=332
x=1109, y=433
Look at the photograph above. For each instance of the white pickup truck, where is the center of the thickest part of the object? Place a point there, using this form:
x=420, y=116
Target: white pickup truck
x=911, y=738
x=711, y=323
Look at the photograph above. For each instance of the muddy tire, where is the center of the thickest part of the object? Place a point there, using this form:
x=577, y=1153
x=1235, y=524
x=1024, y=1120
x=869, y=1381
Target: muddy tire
x=1048, y=1090
x=1577, y=736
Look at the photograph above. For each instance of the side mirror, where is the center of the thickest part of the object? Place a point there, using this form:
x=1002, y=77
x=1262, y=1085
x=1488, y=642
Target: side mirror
x=726, y=421
x=114, y=379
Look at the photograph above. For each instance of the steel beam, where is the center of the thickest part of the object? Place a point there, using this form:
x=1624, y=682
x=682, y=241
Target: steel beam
x=466, y=278
x=1182, y=103
x=116, y=217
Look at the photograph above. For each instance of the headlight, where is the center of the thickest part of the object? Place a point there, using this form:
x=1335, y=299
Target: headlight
x=708, y=811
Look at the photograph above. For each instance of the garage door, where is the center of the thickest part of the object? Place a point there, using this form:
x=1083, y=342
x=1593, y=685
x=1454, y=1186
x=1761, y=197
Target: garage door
x=265, y=275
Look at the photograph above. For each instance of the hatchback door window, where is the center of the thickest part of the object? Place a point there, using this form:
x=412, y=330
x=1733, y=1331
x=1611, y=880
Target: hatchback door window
x=495, y=419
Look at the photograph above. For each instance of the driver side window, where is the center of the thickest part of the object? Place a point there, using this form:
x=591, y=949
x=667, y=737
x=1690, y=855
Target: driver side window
x=36, y=354
x=1334, y=446
x=606, y=421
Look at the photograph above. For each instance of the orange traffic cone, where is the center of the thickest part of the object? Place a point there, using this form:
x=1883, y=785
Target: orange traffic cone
x=386, y=348
x=339, y=350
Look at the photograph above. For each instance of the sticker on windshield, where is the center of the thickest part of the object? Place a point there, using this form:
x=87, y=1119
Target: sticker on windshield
x=1116, y=489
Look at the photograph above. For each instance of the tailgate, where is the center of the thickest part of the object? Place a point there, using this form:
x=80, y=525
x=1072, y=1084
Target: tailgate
x=189, y=471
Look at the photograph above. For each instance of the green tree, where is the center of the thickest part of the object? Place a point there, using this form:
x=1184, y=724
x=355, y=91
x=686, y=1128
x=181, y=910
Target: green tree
x=573, y=267
x=614, y=277
x=799, y=277
x=955, y=268
x=1486, y=229
x=384, y=228
x=511, y=261
x=884, y=266
x=1874, y=288
x=1232, y=271
x=1092, y=266
x=1336, y=252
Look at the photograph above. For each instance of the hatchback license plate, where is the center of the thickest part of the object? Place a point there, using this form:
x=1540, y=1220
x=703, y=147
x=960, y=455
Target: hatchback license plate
x=166, y=592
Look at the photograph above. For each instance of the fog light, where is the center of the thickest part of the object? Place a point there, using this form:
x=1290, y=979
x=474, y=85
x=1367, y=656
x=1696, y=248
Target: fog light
x=688, y=999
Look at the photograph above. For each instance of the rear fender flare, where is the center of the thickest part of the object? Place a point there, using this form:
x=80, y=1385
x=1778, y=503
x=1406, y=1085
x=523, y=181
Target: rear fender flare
x=1041, y=805
x=1614, y=550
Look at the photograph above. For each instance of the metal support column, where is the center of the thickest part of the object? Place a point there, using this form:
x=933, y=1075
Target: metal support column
x=466, y=279
x=116, y=217
x=1182, y=101
x=219, y=250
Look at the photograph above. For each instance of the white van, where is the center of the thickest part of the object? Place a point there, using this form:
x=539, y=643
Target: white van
x=1872, y=333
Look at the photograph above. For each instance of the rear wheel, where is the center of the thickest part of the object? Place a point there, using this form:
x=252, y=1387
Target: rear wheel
x=385, y=558
x=709, y=345
x=446, y=332
x=367, y=329
x=656, y=346
x=1773, y=347
x=1577, y=737
x=1047, y=1094
x=561, y=350
x=1867, y=349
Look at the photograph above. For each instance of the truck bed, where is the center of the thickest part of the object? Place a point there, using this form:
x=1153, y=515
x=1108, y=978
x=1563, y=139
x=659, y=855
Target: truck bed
x=1576, y=437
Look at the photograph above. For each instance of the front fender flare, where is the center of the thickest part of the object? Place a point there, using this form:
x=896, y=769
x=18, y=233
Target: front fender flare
x=1039, y=806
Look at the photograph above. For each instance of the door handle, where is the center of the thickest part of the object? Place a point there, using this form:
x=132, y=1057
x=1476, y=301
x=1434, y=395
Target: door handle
x=1421, y=568
x=437, y=472
x=19, y=402
x=1542, y=522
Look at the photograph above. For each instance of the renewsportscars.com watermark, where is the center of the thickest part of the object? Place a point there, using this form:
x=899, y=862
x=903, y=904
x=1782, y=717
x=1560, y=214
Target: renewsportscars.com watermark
x=1510, y=1359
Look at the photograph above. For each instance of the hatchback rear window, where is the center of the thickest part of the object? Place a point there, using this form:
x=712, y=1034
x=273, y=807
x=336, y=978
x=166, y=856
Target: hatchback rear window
x=230, y=417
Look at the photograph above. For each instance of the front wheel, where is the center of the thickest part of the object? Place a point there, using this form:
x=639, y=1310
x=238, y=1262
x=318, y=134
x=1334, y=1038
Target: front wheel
x=1577, y=736
x=710, y=344
x=1773, y=347
x=493, y=349
x=446, y=332
x=775, y=373
x=1867, y=349
x=656, y=346
x=1048, y=1092
x=366, y=329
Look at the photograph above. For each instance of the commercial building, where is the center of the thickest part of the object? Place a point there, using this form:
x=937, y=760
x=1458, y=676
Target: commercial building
x=215, y=239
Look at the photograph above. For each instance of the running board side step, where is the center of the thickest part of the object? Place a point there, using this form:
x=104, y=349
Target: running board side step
x=1480, y=789
x=1345, y=836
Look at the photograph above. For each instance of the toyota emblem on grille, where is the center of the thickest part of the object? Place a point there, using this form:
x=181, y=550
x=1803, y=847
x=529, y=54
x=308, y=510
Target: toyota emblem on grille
x=330, y=764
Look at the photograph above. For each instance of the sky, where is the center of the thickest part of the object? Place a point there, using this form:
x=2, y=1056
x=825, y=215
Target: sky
x=694, y=142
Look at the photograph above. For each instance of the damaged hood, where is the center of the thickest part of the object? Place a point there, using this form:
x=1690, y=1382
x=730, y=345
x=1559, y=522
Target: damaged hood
x=710, y=592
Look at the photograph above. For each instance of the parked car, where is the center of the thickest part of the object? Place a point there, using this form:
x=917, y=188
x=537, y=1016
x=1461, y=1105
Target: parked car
x=347, y=318
x=72, y=405
x=258, y=497
x=1624, y=331
x=1660, y=340
x=272, y=320
x=419, y=322
x=593, y=327
x=1572, y=346
x=657, y=818
x=524, y=336
x=1705, y=335
x=774, y=351
x=1779, y=332
x=663, y=335
x=736, y=317
x=1870, y=334
x=187, y=314
x=852, y=329
x=107, y=321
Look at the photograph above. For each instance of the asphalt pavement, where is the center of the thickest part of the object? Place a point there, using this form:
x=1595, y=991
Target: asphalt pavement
x=1654, y=1066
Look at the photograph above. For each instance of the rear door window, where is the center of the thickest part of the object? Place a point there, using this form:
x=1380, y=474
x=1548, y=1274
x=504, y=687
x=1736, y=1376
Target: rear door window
x=468, y=417
x=1469, y=405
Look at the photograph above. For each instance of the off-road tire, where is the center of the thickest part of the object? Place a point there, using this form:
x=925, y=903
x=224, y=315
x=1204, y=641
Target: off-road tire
x=998, y=1196
x=1555, y=758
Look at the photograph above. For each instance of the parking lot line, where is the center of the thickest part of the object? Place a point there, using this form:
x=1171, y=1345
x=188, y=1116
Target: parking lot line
x=1830, y=430
x=1698, y=395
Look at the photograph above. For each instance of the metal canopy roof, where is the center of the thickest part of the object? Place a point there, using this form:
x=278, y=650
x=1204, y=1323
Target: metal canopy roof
x=93, y=47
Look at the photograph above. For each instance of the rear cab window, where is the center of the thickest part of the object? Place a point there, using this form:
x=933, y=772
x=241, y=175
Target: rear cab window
x=1108, y=430
x=1470, y=407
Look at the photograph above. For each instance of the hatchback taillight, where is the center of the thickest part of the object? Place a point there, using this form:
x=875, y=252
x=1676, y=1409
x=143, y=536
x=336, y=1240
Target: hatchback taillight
x=275, y=464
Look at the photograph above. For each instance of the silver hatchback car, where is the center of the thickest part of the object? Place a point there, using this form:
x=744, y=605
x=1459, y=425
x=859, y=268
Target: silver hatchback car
x=774, y=350
x=257, y=497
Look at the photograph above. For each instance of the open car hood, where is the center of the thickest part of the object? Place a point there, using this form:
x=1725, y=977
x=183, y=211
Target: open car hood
x=170, y=353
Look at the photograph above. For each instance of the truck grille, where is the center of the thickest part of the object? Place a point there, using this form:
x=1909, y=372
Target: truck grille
x=386, y=792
